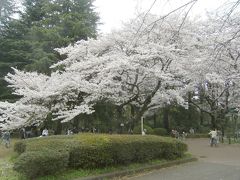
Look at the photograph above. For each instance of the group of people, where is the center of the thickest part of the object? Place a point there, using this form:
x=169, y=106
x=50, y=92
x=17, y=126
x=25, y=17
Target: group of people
x=178, y=135
x=214, y=135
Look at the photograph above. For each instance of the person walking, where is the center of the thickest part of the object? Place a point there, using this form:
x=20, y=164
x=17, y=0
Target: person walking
x=23, y=133
x=6, y=138
x=213, y=140
x=45, y=132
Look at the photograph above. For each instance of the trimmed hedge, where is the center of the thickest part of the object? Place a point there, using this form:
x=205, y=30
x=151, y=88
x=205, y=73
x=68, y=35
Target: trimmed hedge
x=91, y=151
x=39, y=163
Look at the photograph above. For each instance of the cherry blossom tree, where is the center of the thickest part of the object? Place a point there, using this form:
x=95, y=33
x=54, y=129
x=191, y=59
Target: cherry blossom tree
x=216, y=77
x=16, y=115
x=145, y=69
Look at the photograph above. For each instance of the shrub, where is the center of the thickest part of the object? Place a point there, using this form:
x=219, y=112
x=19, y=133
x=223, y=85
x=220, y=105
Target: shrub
x=123, y=150
x=51, y=143
x=90, y=157
x=137, y=129
x=160, y=132
x=51, y=154
x=110, y=150
x=38, y=163
x=20, y=147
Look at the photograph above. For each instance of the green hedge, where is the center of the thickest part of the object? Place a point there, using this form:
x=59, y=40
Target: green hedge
x=92, y=151
x=39, y=163
x=52, y=143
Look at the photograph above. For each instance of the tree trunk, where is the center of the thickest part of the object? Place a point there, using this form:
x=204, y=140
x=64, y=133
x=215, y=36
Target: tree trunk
x=146, y=102
x=201, y=102
x=189, y=114
x=132, y=117
x=213, y=122
x=154, y=120
x=59, y=128
x=166, y=118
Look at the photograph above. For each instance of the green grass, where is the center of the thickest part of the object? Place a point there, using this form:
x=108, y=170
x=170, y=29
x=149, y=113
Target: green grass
x=7, y=157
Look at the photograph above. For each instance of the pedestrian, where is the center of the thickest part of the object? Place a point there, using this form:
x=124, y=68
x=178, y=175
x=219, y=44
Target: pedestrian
x=23, y=133
x=69, y=132
x=173, y=133
x=213, y=140
x=184, y=135
x=177, y=134
x=130, y=131
x=191, y=131
x=45, y=132
x=6, y=138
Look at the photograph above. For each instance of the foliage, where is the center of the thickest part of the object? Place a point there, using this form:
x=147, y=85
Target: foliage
x=137, y=129
x=115, y=68
x=38, y=163
x=20, y=147
x=92, y=151
x=147, y=65
x=7, y=8
x=29, y=41
x=160, y=131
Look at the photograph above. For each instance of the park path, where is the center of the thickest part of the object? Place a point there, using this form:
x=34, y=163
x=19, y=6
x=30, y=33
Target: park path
x=215, y=163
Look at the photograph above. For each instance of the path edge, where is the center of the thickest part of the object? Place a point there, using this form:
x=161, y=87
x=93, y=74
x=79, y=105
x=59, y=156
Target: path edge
x=121, y=173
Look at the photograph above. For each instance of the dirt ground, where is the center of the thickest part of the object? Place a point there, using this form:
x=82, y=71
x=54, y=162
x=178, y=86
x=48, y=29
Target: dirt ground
x=222, y=154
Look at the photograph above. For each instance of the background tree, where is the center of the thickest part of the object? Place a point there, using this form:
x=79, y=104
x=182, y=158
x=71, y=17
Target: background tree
x=7, y=9
x=29, y=41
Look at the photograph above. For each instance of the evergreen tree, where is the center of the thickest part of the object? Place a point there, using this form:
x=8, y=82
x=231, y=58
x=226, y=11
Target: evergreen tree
x=7, y=9
x=44, y=25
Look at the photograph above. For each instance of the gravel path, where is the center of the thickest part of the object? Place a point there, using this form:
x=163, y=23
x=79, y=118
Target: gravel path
x=215, y=163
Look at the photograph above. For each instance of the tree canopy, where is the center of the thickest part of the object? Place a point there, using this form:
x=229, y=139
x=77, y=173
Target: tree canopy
x=28, y=42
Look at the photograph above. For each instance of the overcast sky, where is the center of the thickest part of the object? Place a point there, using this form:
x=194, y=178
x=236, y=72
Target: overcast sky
x=114, y=12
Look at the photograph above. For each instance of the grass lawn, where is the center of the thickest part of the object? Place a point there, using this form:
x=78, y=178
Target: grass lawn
x=6, y=163
x=7, y=157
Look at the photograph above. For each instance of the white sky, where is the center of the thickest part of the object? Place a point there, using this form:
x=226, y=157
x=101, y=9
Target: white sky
x=114, y=12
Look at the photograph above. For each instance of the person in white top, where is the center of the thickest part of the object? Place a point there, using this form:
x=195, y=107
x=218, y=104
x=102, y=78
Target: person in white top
x=45, y=132
x=213, y=134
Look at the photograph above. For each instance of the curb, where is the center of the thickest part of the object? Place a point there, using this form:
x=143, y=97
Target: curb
x=137, y=170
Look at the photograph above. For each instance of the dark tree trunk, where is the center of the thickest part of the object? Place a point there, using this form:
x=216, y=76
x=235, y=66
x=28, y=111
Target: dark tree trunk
x=201, y=102
x=155, y=120
x=146, y=102
x=76, y=124
x=166, y=123
x=132, y=123
x=213, y=122
x=59, y=128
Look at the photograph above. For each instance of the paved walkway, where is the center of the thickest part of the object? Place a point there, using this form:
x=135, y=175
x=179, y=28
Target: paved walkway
x=215, y=163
